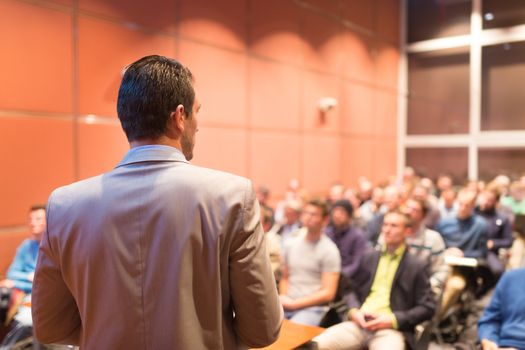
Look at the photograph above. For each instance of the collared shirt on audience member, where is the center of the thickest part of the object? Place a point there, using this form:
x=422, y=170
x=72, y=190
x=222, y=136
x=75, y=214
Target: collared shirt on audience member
x=393, y=296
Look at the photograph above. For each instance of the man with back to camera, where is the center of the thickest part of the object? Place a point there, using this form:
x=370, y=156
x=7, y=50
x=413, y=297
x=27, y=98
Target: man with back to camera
x=157, y=253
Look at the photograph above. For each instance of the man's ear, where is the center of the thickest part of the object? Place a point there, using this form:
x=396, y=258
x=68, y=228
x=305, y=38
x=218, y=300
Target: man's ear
x=176, y=120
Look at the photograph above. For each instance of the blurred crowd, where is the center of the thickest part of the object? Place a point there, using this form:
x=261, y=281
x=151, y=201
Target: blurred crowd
x=468, y=234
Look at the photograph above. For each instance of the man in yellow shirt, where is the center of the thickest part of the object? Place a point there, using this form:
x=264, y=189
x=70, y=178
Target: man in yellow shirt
x=393, y=296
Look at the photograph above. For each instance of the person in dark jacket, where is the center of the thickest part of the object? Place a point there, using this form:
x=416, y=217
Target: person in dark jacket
x=393, y=296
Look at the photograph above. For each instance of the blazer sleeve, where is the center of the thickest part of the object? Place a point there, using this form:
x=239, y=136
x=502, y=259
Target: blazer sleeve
x=55, y=314
x=422, y=304
x=258, y=311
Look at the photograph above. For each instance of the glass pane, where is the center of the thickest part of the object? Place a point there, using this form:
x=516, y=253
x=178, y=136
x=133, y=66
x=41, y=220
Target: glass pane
x=503, y=96
x=438, y=99
x=430, y=19
x=432, y=162
x=503, y=13
x=507, y=161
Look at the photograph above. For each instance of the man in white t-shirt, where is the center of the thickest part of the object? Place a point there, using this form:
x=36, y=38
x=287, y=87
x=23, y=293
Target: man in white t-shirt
x=311, y=267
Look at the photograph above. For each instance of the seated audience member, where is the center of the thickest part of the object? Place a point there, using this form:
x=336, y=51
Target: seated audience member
x=365, y=189
x=444, y=182
x=432, y=216
x=447, y=204
x=335, y=193
x=311, y=267
x=502, y=325
x=22, y=270
x=393, y=296
x=499, y=233
x=427, y=244
x=372, y=206
x=292, y=214
x=20, y=276
x=348, y=238
x=465, y=236
x=516, y=198
x=392, y=200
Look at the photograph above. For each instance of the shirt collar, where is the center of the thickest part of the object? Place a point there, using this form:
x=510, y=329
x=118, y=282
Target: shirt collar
x=151, y=153
x=398, y=252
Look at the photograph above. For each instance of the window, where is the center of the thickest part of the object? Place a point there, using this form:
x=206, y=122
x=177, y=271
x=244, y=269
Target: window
x=432, y=162
x=503, y=95
x=430, y=19
x=438, y=92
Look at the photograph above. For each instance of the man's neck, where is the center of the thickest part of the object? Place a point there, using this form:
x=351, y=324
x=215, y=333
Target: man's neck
x=163, y=140
x=393, y=247
x=313, y=236
x=416, y=227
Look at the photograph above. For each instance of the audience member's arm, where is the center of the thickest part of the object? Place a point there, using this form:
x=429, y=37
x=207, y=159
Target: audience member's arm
x=352, y=260
x=425, y=305
x=21, y=279
x=505, y=241
x=489, y=325
x=323, y=296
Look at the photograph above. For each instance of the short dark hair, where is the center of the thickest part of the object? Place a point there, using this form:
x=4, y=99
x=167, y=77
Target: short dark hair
x=151, y=90
x=36, y=207
x=321, y=205
x=425, y=207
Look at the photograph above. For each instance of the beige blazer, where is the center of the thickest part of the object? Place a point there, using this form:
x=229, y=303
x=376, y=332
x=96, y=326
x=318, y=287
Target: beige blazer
x=156, y=254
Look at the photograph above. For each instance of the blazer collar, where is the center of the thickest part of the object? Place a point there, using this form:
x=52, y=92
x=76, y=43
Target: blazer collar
x=152, y=153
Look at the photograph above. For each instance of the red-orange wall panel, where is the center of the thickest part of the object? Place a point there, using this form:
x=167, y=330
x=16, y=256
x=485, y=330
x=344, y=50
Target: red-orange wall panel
x=157, y=14
x=220, y=83
x=325, y=41
x=359, y=60
x=359, y=13
x=37, y=156
x=387, y=20
x=332, y=7
x=275, y=158
x=385, y=157
x=357, y=108
x=387, y=65
x=321, y=162
x=274, y=93
x=105, y=49
x=221, y=23
x=222, y=149
x=385, y=113
x=274, y=30
x=36, y=59
x=358, y=153
x=100, y=148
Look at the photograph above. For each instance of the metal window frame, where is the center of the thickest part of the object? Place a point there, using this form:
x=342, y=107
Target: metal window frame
x=476, y=138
